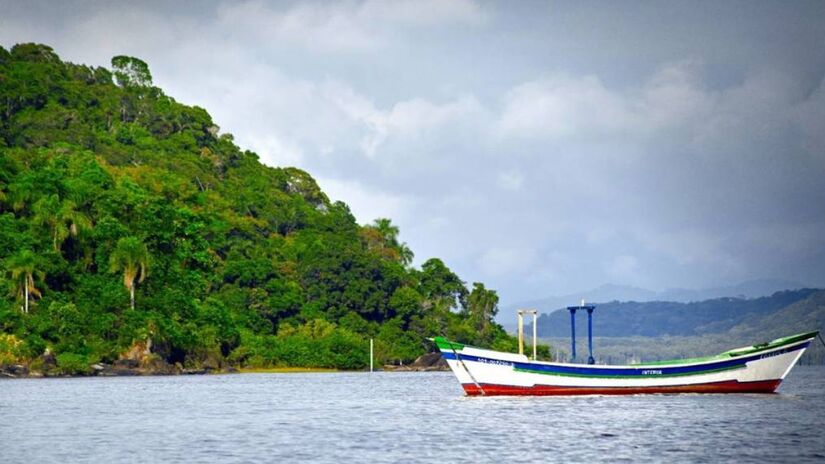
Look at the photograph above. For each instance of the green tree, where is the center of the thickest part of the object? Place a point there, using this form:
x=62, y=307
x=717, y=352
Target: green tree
x=482, y=306
x=382, y=237
x=388, y=231
x=132, y=257
x=406, y=302
x=21, y=192
x=24, y=267
x=61, y=217
x=440, y=285
x=130, y=71
x=405, y=254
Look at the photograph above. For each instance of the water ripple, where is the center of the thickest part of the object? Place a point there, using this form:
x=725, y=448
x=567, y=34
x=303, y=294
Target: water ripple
x=392, y=417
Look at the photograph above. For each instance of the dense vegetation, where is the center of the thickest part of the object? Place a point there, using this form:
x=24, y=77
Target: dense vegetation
x=127, y=219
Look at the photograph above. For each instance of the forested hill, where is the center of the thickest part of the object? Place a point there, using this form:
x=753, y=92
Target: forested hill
x=129, y=223
x=715, y=316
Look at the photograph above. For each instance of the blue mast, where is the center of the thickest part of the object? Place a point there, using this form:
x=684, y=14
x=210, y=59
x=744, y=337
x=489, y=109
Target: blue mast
x=572, y=310
x=590, y=309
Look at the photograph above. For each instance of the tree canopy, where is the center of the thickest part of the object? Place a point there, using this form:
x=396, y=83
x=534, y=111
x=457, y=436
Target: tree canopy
x=130, y=71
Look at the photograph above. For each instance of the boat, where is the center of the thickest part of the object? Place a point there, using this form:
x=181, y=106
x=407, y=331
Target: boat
x=752, y=369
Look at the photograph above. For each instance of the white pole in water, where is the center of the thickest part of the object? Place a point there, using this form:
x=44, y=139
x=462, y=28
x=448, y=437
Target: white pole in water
x=371, y=355
x=534, y=334
x=520, y=313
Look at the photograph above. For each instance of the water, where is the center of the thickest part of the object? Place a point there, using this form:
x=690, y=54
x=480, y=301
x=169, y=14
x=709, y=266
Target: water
x=394, y=417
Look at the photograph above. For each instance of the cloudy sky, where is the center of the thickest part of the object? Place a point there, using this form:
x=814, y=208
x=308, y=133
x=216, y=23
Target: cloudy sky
x=539, y=147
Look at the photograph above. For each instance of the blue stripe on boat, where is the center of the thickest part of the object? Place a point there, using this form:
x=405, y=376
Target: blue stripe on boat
x=642, y=371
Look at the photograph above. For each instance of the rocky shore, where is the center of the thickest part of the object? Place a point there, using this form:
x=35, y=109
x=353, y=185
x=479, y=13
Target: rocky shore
x=120, y=368
x=138, y=360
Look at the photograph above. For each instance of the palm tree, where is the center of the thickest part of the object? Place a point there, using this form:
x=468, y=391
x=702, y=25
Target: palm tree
x=389, y=232
x=72, y=222
x=388, y=236
x=61, y=217
x=24, y=267
x=21, y=192
x=405, y=253
x=130, y=256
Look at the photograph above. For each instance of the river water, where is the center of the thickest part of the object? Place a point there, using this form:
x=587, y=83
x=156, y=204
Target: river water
x=394, y=417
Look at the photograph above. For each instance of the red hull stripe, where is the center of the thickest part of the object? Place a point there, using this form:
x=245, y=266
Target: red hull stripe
x=731, y=386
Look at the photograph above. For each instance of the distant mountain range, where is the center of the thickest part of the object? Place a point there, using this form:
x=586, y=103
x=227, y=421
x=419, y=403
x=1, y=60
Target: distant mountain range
x=660, y=318
x=668, y=330
x=610, y=292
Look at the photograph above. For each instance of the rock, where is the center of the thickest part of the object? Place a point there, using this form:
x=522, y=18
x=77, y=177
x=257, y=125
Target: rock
x=124, y=372
x=211, y=364
x=429, y=360
x=425, y=363
x=102, y=370
x=154, y=364
x=139, y=352
x=127, y=363
x=193, y=371
x=49, y=360
x=18, y=370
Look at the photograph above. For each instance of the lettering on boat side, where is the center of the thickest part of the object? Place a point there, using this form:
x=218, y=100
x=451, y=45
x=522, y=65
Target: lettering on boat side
x=652, y=372
x=770, y=355
x=495, y=361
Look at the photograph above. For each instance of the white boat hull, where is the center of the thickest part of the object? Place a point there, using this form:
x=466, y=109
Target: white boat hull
x=757, y=369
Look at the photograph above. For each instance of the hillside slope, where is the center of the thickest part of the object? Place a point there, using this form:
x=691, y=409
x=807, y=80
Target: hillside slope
x=802, y=316
x=130, y=224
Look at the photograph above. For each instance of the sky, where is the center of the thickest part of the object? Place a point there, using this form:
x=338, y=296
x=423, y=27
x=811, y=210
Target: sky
x=538, y=147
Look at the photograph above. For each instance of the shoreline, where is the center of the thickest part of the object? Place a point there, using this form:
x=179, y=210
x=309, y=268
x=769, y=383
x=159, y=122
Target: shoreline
x=21, y=372
x=146, y=364
x=288, y=370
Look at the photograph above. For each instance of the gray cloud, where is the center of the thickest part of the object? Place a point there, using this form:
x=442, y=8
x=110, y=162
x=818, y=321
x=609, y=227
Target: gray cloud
x=541, y=148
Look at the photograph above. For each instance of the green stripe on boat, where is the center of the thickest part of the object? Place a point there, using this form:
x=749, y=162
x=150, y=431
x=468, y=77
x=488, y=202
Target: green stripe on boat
x=444, y=344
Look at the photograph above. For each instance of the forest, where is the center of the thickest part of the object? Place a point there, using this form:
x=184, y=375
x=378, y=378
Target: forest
x=131, y=222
